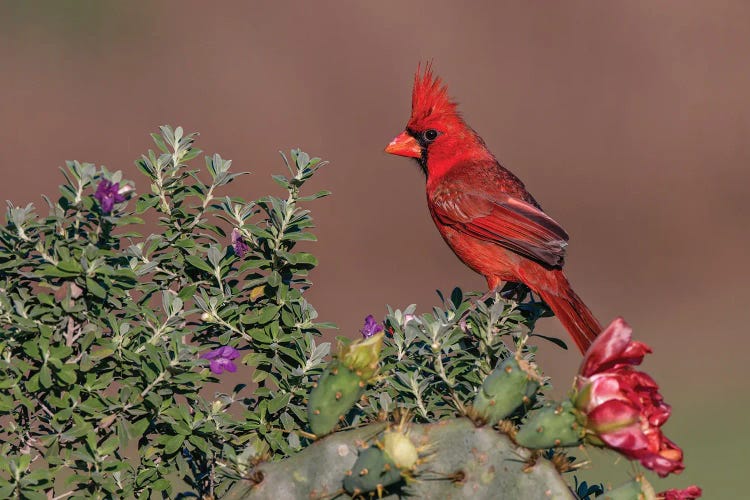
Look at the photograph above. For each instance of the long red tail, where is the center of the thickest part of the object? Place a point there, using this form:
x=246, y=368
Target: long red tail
x=570, y=310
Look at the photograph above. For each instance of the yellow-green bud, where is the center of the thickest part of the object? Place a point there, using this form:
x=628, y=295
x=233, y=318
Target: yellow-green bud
x=400, y=449
x=362, y=356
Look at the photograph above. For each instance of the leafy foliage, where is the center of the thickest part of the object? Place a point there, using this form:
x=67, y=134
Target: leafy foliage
x=438, y=360
x=101, y=383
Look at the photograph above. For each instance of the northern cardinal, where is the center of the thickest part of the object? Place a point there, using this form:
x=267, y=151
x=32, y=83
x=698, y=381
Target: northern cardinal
x=483, y=211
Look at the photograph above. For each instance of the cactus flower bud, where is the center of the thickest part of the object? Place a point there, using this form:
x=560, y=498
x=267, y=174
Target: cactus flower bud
x=400, y=449
x=362, y=356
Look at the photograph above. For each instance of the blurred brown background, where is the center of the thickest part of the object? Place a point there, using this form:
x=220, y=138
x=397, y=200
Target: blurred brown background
x=629, y=121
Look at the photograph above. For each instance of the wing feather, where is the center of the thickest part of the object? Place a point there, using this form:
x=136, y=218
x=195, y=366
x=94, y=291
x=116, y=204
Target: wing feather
x=502, y=219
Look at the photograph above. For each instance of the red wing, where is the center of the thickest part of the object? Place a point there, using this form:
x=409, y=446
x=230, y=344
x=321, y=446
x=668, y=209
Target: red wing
x=505, y=220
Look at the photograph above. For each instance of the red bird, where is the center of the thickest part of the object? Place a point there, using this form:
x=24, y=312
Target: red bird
x=483, y=211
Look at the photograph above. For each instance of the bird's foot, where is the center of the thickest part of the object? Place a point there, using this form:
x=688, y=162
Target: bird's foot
x=515, y=291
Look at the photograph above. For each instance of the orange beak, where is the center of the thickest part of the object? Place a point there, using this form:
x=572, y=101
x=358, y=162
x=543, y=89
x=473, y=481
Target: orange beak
x=404, y=145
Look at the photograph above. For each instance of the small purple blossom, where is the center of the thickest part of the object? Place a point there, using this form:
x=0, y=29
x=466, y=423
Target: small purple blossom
x=371, y=327
x=239, y=244
x=108, y=193
x=221, y=359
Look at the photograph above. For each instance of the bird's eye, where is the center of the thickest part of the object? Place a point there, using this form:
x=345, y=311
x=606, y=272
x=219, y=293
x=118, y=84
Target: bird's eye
x=430, y=135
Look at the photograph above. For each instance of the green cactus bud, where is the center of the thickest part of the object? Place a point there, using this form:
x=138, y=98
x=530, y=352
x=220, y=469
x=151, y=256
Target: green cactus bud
x=637, y=489
x=335, y=393
x=373, y=471
x=362, y=356
x=510, y=385
x=553, y=425
x=400, y=449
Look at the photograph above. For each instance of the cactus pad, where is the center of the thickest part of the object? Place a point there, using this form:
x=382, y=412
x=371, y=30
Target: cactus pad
x=464, y=462
x=337, y=391
x=372, y=471
x=553, y=425
x=506, y=388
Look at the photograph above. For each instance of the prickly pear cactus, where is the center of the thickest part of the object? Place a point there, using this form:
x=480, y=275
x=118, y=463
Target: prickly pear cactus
x=441, y=408
x=555, y=424
x=459, y=461
x=336, y=392
x=509, y=386
x=343, y=383
x=374, y=470
x=456, y=396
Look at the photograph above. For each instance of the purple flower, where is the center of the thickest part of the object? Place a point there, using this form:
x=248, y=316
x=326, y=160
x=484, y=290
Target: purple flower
x=221, y=359
x=108, y=193
x=238, y=243
x=371, y=327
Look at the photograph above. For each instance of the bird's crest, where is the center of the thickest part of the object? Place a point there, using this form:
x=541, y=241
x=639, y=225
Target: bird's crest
x=429, y=97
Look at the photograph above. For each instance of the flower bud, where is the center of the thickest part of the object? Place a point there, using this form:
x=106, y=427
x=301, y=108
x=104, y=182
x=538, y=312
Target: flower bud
x=400, y=449
x=362, y=356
